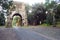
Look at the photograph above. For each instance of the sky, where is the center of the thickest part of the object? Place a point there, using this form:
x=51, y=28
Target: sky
x=31, y=1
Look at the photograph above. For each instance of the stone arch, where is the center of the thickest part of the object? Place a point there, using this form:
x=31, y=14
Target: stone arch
x=18, y=14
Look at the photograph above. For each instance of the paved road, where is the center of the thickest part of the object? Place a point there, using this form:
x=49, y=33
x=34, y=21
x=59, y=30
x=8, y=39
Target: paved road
x=21, y=34
x=25, y=34
x=51, y=32
x=7, y=34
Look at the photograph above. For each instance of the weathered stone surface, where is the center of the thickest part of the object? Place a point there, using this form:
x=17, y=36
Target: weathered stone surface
x=20, y=10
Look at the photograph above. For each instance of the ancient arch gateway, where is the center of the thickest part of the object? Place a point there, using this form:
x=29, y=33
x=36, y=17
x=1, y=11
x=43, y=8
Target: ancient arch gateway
x=20, y=11
x=16, y=20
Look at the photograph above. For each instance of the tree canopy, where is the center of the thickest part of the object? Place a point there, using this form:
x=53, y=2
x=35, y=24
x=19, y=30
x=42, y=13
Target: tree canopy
x=6, y=4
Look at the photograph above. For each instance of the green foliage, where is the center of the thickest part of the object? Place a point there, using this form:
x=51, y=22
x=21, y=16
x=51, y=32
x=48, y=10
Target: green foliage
x=49, y=19
x=58, y=12
x=37, y=14
x=30, y=18
x=15, y=19
x=6, y=4
x=50, y=5
x=45, y=25
x=2, y=19
x=27, y=8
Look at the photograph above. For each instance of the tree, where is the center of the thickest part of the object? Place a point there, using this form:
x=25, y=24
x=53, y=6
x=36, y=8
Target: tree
x=51, y=18
x=5, y=4
x=50, y=5
x=29, y=14
x=58, y=12
x=2, y=19
x=27, y=8
x=39, y=13
x=30, y=19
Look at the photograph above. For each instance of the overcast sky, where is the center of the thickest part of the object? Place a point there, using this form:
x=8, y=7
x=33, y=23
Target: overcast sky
x=31, y=1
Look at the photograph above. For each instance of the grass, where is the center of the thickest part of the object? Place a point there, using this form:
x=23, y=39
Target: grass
x=2, y=26
x=45, y=24
x=42, y=25
x=58, y=24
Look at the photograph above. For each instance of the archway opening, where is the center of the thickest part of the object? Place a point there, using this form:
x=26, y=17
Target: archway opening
x=16, y=20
